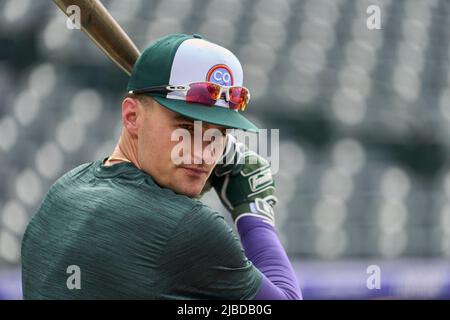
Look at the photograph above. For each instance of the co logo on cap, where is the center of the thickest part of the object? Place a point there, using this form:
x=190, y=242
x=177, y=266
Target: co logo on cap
x=220, y=74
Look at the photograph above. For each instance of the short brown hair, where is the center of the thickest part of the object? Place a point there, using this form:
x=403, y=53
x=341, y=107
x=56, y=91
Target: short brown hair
x=145, y=100
x=141, y=97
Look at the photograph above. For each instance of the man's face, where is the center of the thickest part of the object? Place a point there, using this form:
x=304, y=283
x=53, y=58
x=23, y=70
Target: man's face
x=155, y=149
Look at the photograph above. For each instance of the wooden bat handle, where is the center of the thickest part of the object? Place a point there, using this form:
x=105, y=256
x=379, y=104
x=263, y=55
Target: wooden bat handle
x=106, y=33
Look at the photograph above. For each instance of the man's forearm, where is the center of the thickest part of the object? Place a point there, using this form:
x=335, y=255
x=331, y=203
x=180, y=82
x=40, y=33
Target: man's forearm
x=262, y=246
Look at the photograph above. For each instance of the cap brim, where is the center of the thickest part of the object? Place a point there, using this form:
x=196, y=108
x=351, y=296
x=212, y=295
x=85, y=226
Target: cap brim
x=214, y=115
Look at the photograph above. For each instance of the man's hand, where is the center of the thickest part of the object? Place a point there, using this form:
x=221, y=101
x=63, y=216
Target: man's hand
x=244, y=183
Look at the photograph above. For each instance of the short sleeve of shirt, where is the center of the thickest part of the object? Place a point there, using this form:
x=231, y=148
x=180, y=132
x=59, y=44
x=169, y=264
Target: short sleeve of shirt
x=205, y=260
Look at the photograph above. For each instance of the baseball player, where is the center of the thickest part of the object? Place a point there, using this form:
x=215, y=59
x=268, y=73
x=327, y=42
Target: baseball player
x=131, y=226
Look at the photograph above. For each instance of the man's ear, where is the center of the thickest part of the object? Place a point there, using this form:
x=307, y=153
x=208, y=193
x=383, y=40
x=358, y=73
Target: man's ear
x=130, y=112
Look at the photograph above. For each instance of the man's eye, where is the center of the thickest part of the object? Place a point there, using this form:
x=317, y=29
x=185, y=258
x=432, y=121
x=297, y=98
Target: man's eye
x=188, y=127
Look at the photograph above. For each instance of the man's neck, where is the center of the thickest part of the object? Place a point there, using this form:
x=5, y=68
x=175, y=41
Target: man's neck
x=125, y=151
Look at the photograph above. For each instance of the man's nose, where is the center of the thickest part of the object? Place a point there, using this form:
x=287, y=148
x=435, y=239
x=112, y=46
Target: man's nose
x=203, y=152
x=197, y=152
x=209, y=154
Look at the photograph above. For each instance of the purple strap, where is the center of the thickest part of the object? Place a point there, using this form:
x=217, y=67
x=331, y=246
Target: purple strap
x=263, y=248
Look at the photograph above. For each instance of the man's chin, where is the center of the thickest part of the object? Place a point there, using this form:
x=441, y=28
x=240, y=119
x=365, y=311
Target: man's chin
x=188, y=185
x=189, y=193
x=189, y=190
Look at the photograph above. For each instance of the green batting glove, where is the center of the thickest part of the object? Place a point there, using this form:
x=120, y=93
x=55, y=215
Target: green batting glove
x=243, y=180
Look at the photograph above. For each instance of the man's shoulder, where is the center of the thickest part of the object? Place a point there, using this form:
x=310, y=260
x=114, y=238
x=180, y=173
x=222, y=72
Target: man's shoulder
x=72, y=174
x=80, y=169
x=130, y=196
x=202, y=222
x=66, y=180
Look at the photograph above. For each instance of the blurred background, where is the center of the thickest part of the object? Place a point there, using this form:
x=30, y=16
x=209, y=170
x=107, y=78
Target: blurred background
x=364, y=119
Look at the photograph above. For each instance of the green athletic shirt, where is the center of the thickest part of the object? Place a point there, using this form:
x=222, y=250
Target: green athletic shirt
x=131, y=239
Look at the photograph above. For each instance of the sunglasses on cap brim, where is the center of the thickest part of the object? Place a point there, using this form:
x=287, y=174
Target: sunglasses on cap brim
x=205, y=93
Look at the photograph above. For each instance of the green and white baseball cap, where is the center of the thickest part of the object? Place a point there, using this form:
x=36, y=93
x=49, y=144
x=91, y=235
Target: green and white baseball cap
x=178, y=59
